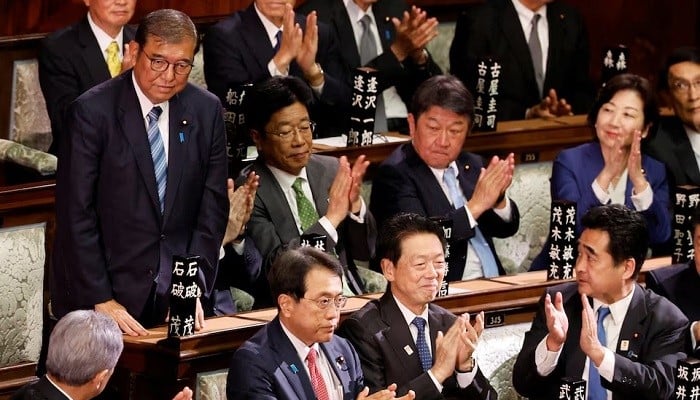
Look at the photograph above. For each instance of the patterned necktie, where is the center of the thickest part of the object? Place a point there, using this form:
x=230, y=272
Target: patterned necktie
x=368, y=50
x=426, y=360
x=536, y=52
x=478, y=242
x=595, y=389
x=307, y=212
x=113, y=63
x=278, y=36
x=160, y=165
x=316, y=379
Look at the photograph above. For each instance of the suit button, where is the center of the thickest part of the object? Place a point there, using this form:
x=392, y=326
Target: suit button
x=162, y=237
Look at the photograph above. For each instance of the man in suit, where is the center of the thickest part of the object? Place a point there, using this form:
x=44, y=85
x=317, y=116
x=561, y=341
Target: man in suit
x=678, y=283
x=143, y=178
x=624, y=340
x=392, y=346
x=76, y=58
x=432, y=176
x=388, y=37
x=676, y=139
x=302, y=193
x=297, y=355
x=268, y=39
x=84, y=349
x=516, y=32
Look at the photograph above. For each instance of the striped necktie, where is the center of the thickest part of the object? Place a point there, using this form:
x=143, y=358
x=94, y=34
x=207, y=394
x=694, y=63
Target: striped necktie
x=160, y=164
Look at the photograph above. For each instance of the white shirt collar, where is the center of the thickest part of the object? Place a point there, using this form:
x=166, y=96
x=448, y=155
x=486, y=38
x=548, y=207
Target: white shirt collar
x=440, y=172
x=618, y=309
x=356, y=13
x=270, y=27
x=694, y=138
x=284, y=178
x=144, y=102
x=408, y=315
x=58, y=387
x=299, y=346
x=527, y=14
x=103, y=39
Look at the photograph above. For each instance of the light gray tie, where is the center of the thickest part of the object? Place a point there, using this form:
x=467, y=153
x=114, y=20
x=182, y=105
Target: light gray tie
x=536, y=52
x=368, y=50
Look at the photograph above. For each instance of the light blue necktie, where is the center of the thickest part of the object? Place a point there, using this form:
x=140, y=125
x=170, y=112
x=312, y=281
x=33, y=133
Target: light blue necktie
x=160, y=165
x=426, y=360
x=595, y=389
x=478, y=242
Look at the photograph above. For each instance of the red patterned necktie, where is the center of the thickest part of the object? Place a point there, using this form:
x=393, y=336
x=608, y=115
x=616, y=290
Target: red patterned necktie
x=316, y=379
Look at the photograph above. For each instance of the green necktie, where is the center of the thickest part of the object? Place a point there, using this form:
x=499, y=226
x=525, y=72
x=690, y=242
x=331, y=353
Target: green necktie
x=307, y=212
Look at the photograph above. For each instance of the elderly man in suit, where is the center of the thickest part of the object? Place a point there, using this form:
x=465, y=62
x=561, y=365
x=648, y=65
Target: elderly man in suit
x=76, y=58
x=624, y=340
x=386, y=36
x=143, y=178
x=269, y=39
x=405, y=339
x=302, y=193
x=297, y=355
x=432, y=176
x=84, y=349
x=542, y=47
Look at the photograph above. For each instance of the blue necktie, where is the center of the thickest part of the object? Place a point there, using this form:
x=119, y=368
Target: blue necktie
x=595, y=389
x=276, y=47
x=478, y=242
x=426, y=360
x=160, y=165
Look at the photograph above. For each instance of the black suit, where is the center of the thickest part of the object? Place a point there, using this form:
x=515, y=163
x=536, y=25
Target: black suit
x=39, y=390
x=669, y=144
x=237, y=51
x=405, y=76
x=71, y=62
x=494, y=30
x=404, y=183
x=112, y=242
x=653, y=332
x=380, y=335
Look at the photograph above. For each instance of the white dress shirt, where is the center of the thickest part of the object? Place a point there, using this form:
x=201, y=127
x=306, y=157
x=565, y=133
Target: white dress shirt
x=104, y=40
x=164, y=119
x=525, y=16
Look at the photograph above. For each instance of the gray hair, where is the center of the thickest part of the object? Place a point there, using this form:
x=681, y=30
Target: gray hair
x=83, y=343
x=171, y=26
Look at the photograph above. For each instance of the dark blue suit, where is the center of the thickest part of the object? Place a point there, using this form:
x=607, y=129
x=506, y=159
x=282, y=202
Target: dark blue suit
x=669, y=144
x=39, y=390
x=268, y=367
x=575, y=169
x=111, y=240
x=404, y=183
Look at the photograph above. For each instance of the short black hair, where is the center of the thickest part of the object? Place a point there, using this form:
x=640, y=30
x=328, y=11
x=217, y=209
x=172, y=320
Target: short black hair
x=289, y=270
x=444, y=91
x=627, y=82
x=171, y=26
x=627, y=230
x=401, y=226
x=677, y=56
x=271, y=95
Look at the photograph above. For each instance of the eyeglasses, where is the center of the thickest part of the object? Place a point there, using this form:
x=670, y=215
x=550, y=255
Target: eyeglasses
x=286, y=132
x=682, y=86
x=161, y=65
x=325, y=302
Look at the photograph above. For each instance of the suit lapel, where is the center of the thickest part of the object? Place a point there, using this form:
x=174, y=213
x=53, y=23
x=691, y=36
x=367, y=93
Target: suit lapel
x=577, y=358
x=314, y=172
x=629, y=344
x=255, y=36
x=91, y=53
x=346, y=36
x=513, y=32
x=384, y=25
x=430, y=188
x=289, y=363
x=334, y=355
x=684, y=151
x=134, y=129
x=557, y=35
x=398, y=335
x=271, y=194
x=180, y=139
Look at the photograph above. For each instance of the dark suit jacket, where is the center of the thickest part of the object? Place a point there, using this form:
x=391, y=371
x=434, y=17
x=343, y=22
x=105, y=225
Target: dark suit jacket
x=39, y=390
x=405, y=76
x=653, y=328
x=111, y=240
x=272, y=225
x=379, y=333
x=237, y=51
x=268, y=367
x=405, y=183
x=494, y=30
x=575, y=169
x=71, y=62
x=243, y=271
x=669, y=144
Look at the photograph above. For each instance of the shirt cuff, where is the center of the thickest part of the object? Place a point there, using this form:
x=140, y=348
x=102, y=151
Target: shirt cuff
x=642, y=201
x=504, y=213
x=465, y=379
x=693, y=339
x=546, y=360
x=274, y=71
x=318, y=88
x=239, y=247
x=360, y=219
x=602, y=196
x=437, y=384
x=222, y=252
x=329, y=228
x=607, y=366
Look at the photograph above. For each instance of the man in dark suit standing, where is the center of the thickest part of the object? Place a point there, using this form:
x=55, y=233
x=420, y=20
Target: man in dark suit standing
x=386, y=36
x=297, y=356
x=143, y=178
x=676, y=139
x=542, y=47
x=268, y=39
x=302, y=193
x=623, y=339
x=389, y=333
x=432, y=176
x=76, y=58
